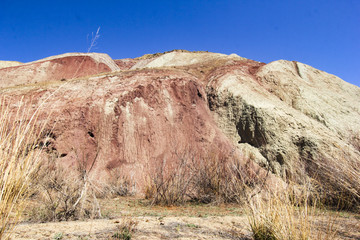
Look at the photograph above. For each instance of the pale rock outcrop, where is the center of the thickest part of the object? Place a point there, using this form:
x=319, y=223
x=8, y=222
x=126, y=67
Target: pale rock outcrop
x=299, y=118
x=175, y=58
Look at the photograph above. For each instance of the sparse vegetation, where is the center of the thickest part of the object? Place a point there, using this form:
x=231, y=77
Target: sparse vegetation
x=337, y=182
x=167, y=186
x=64, y=195
x=19, y=158
x=274, y=213
x=283, y=215
x=126, y=229
x=355, y=139
x=58, y=236
x=191, y=225
x=216, y=178
x=148, y=56
x=119, y=185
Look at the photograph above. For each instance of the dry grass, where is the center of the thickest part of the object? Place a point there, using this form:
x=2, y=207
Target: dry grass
x=286, y=215
x=170, y=183
x=337, y=182
x=354, y=137
x=64, y=196
x=19, y=158
x=125, y=229
x=118, y=184
x=216, y=178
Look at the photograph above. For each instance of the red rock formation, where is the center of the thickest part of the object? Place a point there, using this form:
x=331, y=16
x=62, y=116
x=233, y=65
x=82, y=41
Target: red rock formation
x=131, y=121
x=125, y=64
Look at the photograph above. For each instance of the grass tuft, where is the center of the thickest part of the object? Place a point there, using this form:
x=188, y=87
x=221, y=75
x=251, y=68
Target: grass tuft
x=286, y=215
x=125, y=229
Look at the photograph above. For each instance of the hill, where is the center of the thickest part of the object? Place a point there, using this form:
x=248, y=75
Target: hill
x=285, y=120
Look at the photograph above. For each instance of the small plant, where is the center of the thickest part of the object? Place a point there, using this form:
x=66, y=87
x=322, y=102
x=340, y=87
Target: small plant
x=191, y=225
x=124, y=234
x=58, y=236
x=125, y=229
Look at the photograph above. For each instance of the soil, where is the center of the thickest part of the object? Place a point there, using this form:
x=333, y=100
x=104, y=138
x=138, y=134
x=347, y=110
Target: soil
x=178, y=222
x=215, y=227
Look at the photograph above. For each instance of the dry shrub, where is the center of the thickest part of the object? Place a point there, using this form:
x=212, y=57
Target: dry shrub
x=170, y=183
x=285, y=215
x=216, y=178
x=19, y=158
x=337, y=181
x=118, y=185
x=64, y=195
x=223, y=179
x=125, y=229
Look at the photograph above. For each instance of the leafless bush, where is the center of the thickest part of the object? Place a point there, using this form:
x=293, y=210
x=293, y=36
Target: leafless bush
x=224, y=178
x=216, y=178
x=171, y=183
x=118, y=185
x=63, y=195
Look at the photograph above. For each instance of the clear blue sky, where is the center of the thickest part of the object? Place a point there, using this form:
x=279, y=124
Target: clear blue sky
x=322, y=33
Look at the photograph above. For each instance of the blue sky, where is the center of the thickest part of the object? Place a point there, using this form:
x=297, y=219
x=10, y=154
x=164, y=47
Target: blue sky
x=322, y=33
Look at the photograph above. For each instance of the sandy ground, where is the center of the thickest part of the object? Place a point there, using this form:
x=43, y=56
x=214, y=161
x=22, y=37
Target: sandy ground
x=180, y=227
x=177, y=222
x=215, y=227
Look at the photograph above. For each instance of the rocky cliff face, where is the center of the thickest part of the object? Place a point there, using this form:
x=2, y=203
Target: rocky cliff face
x=131, y=114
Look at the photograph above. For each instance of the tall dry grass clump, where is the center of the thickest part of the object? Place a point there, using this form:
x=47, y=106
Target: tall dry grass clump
x=287, y=214
x=337, y=181
x=19, y=158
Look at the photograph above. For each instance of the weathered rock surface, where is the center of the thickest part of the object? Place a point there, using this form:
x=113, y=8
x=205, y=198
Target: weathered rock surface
x=65, y=66
x=300, y=119
x=285, y=116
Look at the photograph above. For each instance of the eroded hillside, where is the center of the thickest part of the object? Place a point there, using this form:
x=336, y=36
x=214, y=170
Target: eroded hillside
x=133, y=115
